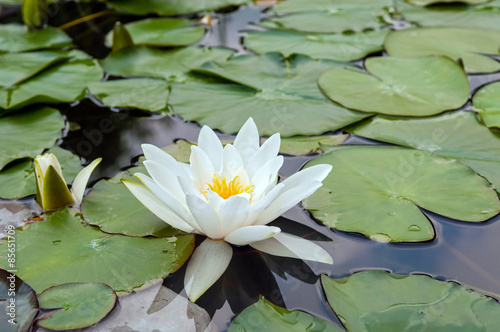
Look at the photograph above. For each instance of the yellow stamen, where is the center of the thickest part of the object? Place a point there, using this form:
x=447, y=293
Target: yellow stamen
x=225, y=190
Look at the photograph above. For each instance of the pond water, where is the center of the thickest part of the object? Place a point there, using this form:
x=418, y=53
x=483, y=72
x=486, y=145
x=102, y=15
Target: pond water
x=462, y=252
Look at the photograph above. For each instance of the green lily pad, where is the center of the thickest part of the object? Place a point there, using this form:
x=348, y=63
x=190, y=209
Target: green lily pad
x=487, y=102
x=18, y=179
x=430, y=2
x=375, y=191
x=63, y=82
x=18, y=304
x=143, y=93
x=397, y=86
x=162, y=32
x=112, y=207
x=80, y=305
x=341, y=47
x=167, y=64
x=17, y=67
x=326, y=16
x=169, y=7
x=378, y=301
x=75, y=252
x=485, y=16
x=469, y=45
x=27, y=134
x=265, y=316
x=18, y=38
x=456, y=135
x=280, y=94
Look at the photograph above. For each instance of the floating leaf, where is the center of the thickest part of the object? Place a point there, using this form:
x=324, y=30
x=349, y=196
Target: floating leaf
x=27, y=134
x=17, y=38
x=75, y=252
x=326, y=16
x=64, y=82
x=162, y=32
x=469, y=45
x=396, y=86
x=280, y=94
x=18, y=303
x=18, y=178
x=168, y=64
x=375, y=190
x=265, y=316
x=487, y=101
x=169, y=7
x=341, y=47
x=378, y=301
x=17, y=67
x=142, y=93
x=112, y=207
x=456, y=135
x=485, y=16
x=430, y=2
x=79, y=305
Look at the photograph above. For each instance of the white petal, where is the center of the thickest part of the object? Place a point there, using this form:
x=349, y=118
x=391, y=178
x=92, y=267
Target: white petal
x=150, y=201
x=267, y=151
x=288, y=245
x=233, y=213
x=156, y=154
x=249, y=234
x=207, y=264
x=267, y=175
x=201, y=168
x=288, y=199
x=314, y=173
x=166, y=179
x=259, y=206
x=206, y=217
x=232, y=163
x=81, y=180
x=170, y=201
x=247, y=141
x=211, y=144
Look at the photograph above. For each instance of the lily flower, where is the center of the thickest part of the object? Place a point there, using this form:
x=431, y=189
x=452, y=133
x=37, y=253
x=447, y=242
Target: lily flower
x=229, y=194
x=51, y=190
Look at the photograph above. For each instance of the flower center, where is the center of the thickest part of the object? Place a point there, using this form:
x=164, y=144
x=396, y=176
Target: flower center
x=227, y=189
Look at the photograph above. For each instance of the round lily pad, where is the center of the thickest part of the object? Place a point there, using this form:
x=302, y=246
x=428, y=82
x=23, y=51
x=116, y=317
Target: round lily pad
x=468, y=45
x=63, y=82
x=112, y=207
x=18, y=38
x=487, y=102
x=27, y=134
x=143, y=93
x=266, y=317
x=280, y=94
x=162, y=32
x=341, y=47
x=457, y=135
x=169, y=7
x=326, y=16
x=484, y=16
x=77, y=305
x=167, y=64
x=75, y=252
x=18, y=179
x=397, y=86
x=18, y=303
x=379, y=301
x=376, y=191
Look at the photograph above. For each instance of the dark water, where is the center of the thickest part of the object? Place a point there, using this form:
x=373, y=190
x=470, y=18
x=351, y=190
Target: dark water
x=462, y=252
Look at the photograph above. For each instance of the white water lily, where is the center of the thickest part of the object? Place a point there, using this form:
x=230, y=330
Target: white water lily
x=51, y=190
x=229, y=194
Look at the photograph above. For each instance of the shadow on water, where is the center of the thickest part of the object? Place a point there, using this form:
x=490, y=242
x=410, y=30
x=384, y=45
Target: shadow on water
x=464, y=252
